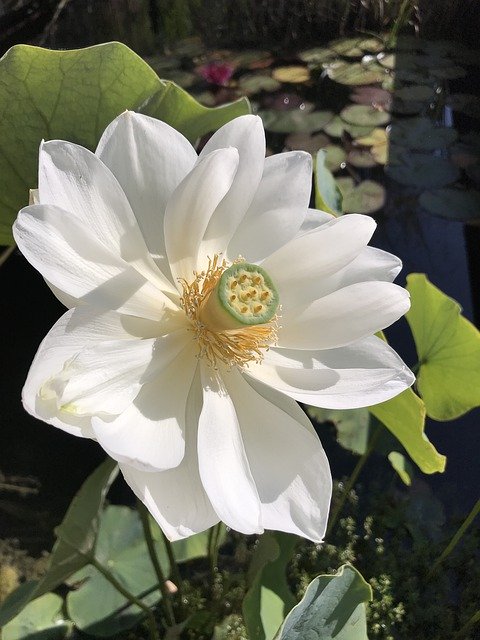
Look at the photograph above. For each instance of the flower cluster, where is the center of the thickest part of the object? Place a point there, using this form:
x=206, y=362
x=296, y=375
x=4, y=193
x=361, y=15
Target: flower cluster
x=205, y=299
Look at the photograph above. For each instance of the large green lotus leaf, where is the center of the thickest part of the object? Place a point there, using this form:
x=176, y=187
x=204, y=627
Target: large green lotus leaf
x=95, y=606
x=448, y=348
x=73, y=95
x=355, y=73
x=364, y=115
x=328, y=196
x=336, y=127
x=268, y=598
x=333, y=608
x=295, y=120
x=76, y=537
x=422, y=170
x=41, y=619
x=454, y=204
x=404, y=417
x=367, y=197
x=421, y=133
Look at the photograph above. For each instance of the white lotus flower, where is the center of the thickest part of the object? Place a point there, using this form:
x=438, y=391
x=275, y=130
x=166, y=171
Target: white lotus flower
x=174, y=355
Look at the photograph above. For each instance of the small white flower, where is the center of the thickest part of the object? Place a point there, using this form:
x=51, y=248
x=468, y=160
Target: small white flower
x=156, y=253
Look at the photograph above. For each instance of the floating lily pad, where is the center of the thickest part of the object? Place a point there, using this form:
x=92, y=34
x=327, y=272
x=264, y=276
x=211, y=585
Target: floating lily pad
x=454, y=204
x=448, y=73
x=335, y=157
x=316, y=56
x=295, y=120
x=363, y=115
x=406, y=108
x=367, y=197
x=307, y=142
x=378, y=143
x=448, y=348
x=356, y=47
x=415, y=92
x=355, y=73
x=372, y=96
x=466, y=103
x=422, y=170
x=251, y=58
x=336, y=127
x=361, y=158
x=286, y=101
x=256, y=82
x=293, y=74
x=421, y=133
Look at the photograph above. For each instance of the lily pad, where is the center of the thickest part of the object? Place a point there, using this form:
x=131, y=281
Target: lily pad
x=448, y=348
x=248, y=58
x=422, y=134
x=316, y=56
x=448, y=73
x=307, y=142
x=372, y=96
x=355, y=73
x=295, y=120
x=363, y=115
x=377, y=141
x=422, y=170
x=367, y=197
x=454, y=204
x=292, y=74
x=417, y=92
x=256, y=82
x=335, y=157
x=355, y=47
x=336, y=127
x=361, y=158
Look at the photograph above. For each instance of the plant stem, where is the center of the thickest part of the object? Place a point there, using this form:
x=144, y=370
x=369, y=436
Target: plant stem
x=352, y=480
x=175, y=572
x=153, y=632
x=475, y=619
x=7, y=253
x=403, y=15
x=456, y=538
x=147, y=532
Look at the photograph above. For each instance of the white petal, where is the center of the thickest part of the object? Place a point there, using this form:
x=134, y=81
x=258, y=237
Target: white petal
x=288, y=463
x=359, y=375
x=223, y=464
x=247, y=135
x=149, y=159
x=76, y=180
x=278, y=208
x=344, y=316
x=74, y=261
x=176, y=498
x=298, y=266
x=149, y=434
x=191, y=206
x=75, y=330
x=314, y=219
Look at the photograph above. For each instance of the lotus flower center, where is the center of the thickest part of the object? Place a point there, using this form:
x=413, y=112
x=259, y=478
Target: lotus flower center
x=232, y=311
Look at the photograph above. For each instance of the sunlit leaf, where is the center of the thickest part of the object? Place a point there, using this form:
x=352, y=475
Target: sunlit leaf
x=268, y=598
x=355, y=73
x=448, y=348
x=73, y=95
x=293, y=74
x=333, y=608
x=402, y=466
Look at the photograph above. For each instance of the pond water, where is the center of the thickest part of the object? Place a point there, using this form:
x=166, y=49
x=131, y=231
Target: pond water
x=414, y=111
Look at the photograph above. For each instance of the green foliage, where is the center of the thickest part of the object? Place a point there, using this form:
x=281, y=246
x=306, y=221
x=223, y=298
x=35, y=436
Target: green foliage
x=402, y=466
x=448, y=348
x=76, y=537
x=73, y=95
x=269, y=598
x=332, y=607
x=41, y=619
x=95, y=606
x=328, y=196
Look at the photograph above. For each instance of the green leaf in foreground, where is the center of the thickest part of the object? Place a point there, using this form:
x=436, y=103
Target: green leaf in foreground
x=76, y=538
x=328, y=196
x=333, y=608
x=402, y=466
x=42, y=619
x=73, y=95
x=96, y=607
x=404, y=417
x=269, y=598
x=448, y=348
